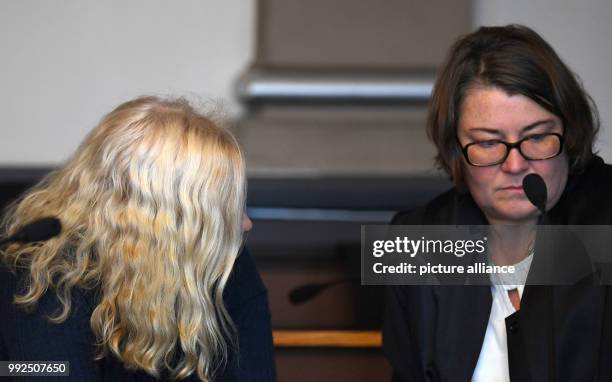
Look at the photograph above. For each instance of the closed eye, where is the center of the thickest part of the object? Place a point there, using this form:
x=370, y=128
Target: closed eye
x=536, y=137
x=488, y=144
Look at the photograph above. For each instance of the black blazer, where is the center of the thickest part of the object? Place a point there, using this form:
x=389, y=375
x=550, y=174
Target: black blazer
x=561, y=333
x=29, y=336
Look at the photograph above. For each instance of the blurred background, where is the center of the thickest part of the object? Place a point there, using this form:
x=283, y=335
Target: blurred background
x=328, y=99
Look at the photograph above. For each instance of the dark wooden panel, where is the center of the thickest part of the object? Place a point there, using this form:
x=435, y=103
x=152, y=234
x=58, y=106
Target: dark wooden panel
x=331, y=365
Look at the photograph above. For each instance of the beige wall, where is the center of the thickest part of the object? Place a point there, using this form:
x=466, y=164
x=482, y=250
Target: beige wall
x=67, y=62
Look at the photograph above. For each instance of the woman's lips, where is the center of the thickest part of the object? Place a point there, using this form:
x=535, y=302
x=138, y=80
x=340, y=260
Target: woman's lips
x=513, y=188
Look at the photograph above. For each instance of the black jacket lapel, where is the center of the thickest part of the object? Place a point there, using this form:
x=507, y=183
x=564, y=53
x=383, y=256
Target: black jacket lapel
x=462, y=324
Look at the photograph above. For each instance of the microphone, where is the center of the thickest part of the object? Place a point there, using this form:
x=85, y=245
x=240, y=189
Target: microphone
x=307, y=292
x=536, y=192
x=39, y=230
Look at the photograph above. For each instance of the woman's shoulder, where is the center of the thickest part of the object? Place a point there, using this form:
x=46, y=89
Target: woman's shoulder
x=28, y=334
x=8, y=280
x=439, y=210
x=596, y=172
x=587, y=195
x=244, y=283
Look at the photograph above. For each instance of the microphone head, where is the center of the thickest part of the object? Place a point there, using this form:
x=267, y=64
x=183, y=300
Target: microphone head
x=535, y=190
x=304, y=293
x=39, y=230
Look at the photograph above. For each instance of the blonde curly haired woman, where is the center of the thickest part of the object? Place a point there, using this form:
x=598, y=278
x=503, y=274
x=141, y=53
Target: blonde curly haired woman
x=147, y=279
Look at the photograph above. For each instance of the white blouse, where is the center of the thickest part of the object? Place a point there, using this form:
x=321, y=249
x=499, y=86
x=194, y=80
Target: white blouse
x=492, y=363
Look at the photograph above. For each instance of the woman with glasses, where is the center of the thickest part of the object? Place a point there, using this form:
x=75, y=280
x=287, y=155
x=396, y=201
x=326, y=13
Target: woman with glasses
x=505, y=106
x=148, y=279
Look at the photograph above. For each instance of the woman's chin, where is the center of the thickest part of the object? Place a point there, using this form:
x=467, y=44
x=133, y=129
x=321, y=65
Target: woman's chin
x=515, y=213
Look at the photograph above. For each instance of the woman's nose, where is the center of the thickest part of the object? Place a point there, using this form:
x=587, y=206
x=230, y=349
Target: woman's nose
x=515, y=162
x=247, y=224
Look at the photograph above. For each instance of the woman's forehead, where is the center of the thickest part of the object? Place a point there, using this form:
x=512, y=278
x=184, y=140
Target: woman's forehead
x=491, y=110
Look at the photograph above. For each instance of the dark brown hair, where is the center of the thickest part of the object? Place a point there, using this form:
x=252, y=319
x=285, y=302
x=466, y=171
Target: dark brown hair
x=517, y=60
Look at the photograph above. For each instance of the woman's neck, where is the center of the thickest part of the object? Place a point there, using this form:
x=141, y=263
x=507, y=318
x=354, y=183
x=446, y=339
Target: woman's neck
x=510, y=244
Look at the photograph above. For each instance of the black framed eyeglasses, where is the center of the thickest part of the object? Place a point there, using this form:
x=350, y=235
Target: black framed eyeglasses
x=495, y=151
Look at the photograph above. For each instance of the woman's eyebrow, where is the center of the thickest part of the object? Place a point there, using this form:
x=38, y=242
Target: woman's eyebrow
x=532, y=126
x=525, y=129
x=485, y=130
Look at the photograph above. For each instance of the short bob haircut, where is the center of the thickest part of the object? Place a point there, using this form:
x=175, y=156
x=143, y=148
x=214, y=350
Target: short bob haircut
x=517, y=60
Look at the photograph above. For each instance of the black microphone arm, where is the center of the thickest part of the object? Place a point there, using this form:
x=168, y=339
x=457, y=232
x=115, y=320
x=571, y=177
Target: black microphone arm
x=39, y=230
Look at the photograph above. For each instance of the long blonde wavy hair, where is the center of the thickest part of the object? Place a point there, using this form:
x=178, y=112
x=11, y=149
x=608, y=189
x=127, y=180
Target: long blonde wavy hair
x=151, y=206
